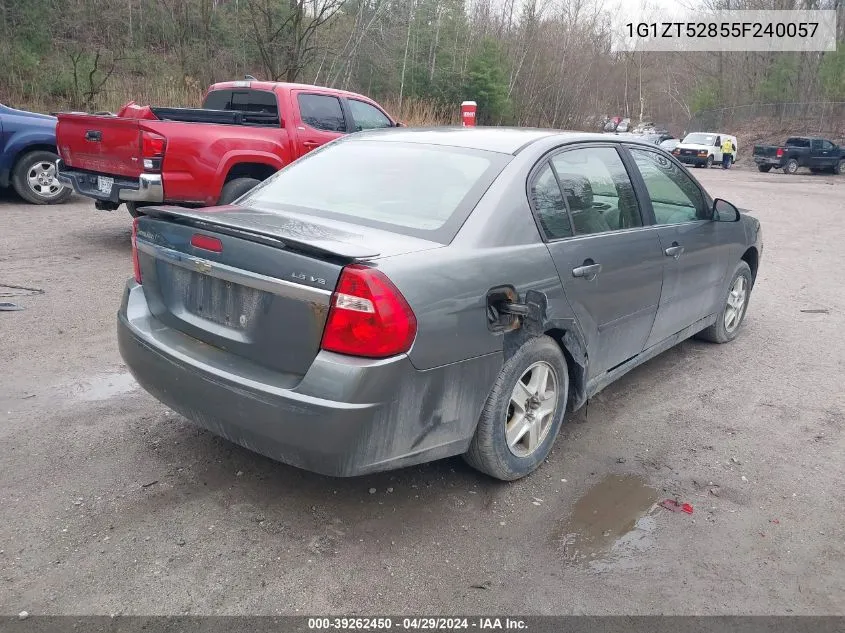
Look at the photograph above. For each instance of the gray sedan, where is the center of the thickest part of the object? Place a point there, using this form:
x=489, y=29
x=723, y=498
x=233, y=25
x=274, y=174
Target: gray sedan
x=401, y=296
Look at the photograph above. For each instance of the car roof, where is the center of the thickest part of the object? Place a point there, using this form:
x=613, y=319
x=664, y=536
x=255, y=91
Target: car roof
x=282, y=86
x=503, y=140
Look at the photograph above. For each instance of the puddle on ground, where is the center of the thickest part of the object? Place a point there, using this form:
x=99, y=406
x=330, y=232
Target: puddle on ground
x=610, y=524
x=103, y=387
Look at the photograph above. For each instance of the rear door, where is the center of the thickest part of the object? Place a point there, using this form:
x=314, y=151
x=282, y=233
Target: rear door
x=610, y=265
x=816, y=158
x=694, y=248
x=319, y=119
x=103, y=144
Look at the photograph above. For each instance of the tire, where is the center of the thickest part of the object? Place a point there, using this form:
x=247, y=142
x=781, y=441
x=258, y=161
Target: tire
x=34, y=178
x=725, y=329
x=764, y=168
x=134, y=209
x=709, y=161
x=489, y=450
x=235, y=188
x=791, y=167
x=839, y=168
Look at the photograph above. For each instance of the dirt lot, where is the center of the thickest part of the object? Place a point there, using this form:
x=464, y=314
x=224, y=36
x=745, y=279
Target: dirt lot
x=111, y=504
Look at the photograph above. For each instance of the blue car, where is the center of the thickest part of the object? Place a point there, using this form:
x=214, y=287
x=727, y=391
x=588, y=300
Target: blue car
x=28, y=156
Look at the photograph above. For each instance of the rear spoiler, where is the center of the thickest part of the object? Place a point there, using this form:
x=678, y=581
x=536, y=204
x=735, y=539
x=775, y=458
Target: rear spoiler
x=273, y=236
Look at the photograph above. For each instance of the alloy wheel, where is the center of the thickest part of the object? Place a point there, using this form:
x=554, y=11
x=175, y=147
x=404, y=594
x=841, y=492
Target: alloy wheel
x=531, y=409
x=42, y=181
x=736, y=303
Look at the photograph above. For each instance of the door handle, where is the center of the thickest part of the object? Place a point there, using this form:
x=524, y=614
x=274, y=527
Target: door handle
x=311, y=144
x=589, y=270
x=674, y=251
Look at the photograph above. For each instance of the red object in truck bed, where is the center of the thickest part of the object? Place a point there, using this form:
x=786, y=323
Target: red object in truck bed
x=246, y=129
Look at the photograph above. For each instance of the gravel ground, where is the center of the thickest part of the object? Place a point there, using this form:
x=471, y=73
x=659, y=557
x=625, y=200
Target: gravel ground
x=109, y=503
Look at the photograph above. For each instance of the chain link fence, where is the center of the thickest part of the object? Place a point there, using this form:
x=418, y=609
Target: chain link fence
x=807, y=117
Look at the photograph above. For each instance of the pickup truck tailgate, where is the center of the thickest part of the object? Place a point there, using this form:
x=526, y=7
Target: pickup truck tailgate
x=103, y=144
x=765, y=150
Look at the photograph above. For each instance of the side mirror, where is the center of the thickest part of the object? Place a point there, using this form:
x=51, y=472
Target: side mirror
x=724, y=211
x=400, y=124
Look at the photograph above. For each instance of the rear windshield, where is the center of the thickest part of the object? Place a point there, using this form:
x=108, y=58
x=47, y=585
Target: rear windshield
x=421, y=190
x=700, y=139
x=796, y=141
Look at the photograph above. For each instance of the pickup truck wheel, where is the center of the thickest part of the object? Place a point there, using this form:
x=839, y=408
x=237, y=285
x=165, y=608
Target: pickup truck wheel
x=235, y=188
x=523, y=413
x=710, y=161
x=791, y=166
x=132, y=207
x=839, y=168
x=34, y=178
x=734, y=306
x=764, y=168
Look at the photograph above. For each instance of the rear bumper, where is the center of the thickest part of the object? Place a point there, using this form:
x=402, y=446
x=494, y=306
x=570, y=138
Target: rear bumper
x=345, y=417
x=769, y=160
x=145, y=188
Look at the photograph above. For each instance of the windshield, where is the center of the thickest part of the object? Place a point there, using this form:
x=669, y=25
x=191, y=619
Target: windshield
x=422, y=190
x=700, y=139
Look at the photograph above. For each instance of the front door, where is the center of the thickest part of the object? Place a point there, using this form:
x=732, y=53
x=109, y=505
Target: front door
x=609, y=264
x=320, y=119
x=694, y=256
x=826, y=157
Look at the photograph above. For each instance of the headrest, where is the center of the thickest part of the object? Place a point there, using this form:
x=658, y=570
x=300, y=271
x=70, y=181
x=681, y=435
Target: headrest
x=577, y=190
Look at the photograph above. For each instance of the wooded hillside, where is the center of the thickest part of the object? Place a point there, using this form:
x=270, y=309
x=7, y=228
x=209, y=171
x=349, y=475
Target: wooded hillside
x=526, y=62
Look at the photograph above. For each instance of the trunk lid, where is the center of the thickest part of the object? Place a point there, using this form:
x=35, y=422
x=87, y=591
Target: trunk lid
x=102, y=144
x=265, y=295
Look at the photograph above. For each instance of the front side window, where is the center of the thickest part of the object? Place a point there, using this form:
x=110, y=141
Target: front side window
x=827, y=146
x=367, y=117
x=674, y=196
x=597, y=190
x=321, y=112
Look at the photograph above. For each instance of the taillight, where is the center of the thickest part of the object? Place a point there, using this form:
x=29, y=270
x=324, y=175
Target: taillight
x=152, y=150
x=136, y=264
x=368, y=316
x=779, y=153
x=206, y=243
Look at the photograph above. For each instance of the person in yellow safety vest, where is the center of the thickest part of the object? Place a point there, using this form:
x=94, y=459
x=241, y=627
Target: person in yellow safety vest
x=727, y=153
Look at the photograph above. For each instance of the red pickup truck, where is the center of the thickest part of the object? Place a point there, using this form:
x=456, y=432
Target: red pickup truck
x=244, y=133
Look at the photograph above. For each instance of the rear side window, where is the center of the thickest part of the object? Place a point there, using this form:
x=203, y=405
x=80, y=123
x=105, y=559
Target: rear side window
x=597, y=190
x=549, y=205
x=410, y=188
x=322, y=112
x=366, y=116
